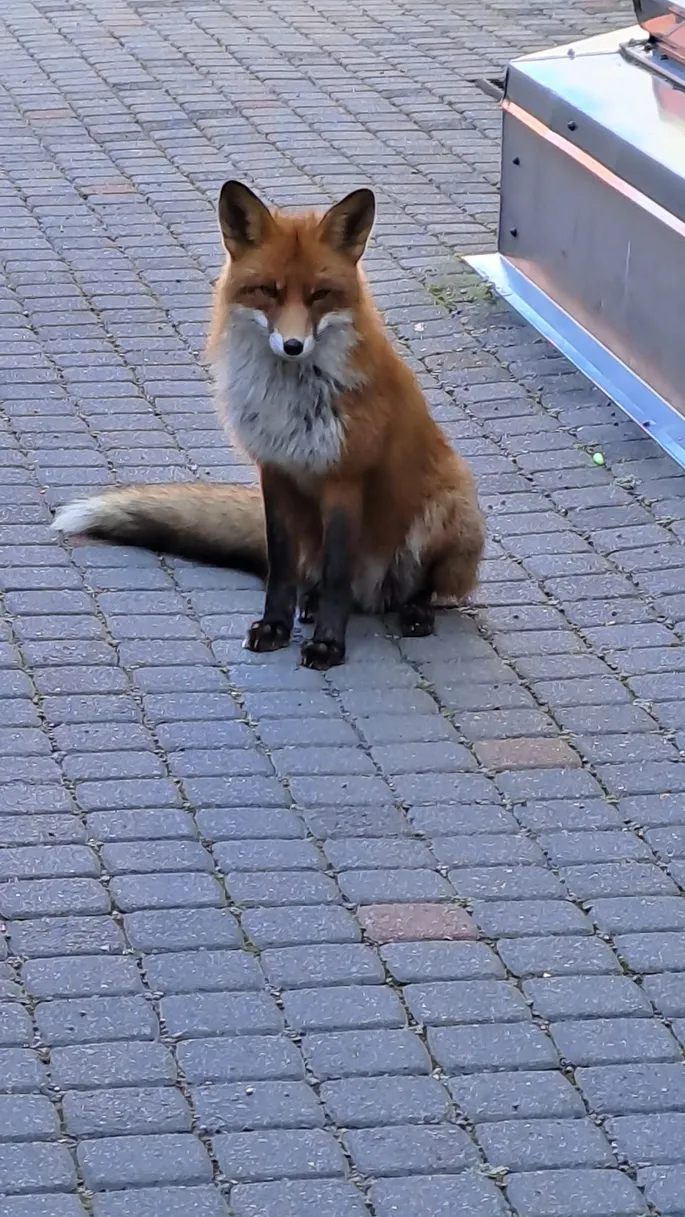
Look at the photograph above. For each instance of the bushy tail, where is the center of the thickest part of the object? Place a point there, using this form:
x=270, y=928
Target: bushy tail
x=221, y=525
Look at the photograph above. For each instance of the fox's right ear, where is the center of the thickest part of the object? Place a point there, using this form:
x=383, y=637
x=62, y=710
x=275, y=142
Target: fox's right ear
x=243, y=218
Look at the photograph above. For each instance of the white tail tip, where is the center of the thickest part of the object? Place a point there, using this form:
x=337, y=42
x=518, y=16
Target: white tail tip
x=79, y=516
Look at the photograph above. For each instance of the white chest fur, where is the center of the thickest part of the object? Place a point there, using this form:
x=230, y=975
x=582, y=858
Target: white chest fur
x=282, y=411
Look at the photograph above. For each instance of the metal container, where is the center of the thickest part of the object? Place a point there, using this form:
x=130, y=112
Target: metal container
x=591, y=246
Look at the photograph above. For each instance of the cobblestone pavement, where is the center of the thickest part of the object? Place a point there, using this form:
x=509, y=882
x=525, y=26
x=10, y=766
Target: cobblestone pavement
x=405, y=939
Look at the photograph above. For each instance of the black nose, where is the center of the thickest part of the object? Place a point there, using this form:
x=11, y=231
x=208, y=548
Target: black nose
x=293, y=346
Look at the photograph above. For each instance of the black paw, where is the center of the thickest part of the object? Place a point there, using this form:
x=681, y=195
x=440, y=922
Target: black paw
x=416, y=621
x=322, y=655
x=263, y=636
x=308, y=606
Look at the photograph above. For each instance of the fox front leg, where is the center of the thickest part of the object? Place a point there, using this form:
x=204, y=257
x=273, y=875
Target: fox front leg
x=274, y=628
x=341, y=517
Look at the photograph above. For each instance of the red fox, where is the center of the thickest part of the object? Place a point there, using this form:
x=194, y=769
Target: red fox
x=363, y=504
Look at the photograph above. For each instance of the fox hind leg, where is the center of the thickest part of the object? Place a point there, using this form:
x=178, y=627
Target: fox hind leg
x=417, y=614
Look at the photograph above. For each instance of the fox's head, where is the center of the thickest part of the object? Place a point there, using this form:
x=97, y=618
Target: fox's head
x=294, y=276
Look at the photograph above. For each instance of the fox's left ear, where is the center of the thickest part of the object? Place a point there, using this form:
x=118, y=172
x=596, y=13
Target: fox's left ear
x=347, y=226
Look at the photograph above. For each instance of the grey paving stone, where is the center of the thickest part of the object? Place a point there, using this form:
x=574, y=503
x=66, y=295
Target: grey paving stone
x=442, y=819
x=563, y=815
x=483, y=849
x=387, y=1152
x=664, y=1187
x=574, y=1193
x=439, y=961
x=41, y=830
x=182, y=930
x=613, y=1041
x=474, y=1049
x=343, y=1007
x=126, y=1111
x=21, y=1071
x=468, y=1001
x=545, y=1144
x=438, y=1195
x=521, y=1095
x=155, y=856
x=513, y=919
x=166, y=891
x=506, y=883
x=597, y=881
x=15, y=1026
x=365, y=854
x=240, y=1107
x=160, y=1202
x=260, y=824
x=53, y=1205
x=144, y=1161
x=270, y=855
x=196, y=1015
x=293, y=926
x=147, y=824
x=371, y=1102
x=325, y=964
x=666, y=992
x=557, y=956
x=20, y=900
x=280, y=888
x=627, y=1088
x=48, y=862
x=95, y=1019
x=133, y=1063
x=203, y=970
x=49, y=936
x=28, y=1118
x=393, y=886
x=245, y=1058
x=655, y=1139
x=36, y=1167
x=571, y=997
x=81, y=976
x=365, y=1053
x=256, y=1157
x=639, y=914
x=295, y=1198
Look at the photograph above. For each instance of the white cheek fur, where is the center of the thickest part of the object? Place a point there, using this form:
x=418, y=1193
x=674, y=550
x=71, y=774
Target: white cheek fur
x=276, y=343
x=332, y=319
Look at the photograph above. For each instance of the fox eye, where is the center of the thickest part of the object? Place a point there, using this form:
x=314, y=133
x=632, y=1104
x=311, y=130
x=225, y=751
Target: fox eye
x=265, y=289
x=320, y=294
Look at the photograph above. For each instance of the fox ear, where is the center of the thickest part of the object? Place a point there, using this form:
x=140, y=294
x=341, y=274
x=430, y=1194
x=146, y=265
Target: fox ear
x=347, y=226
x=243, y=219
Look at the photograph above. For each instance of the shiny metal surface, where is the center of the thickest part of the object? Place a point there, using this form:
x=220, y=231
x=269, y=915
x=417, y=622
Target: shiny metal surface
x=592, y=220
x=650, y=411
x=609, y=108
x=607, y=254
